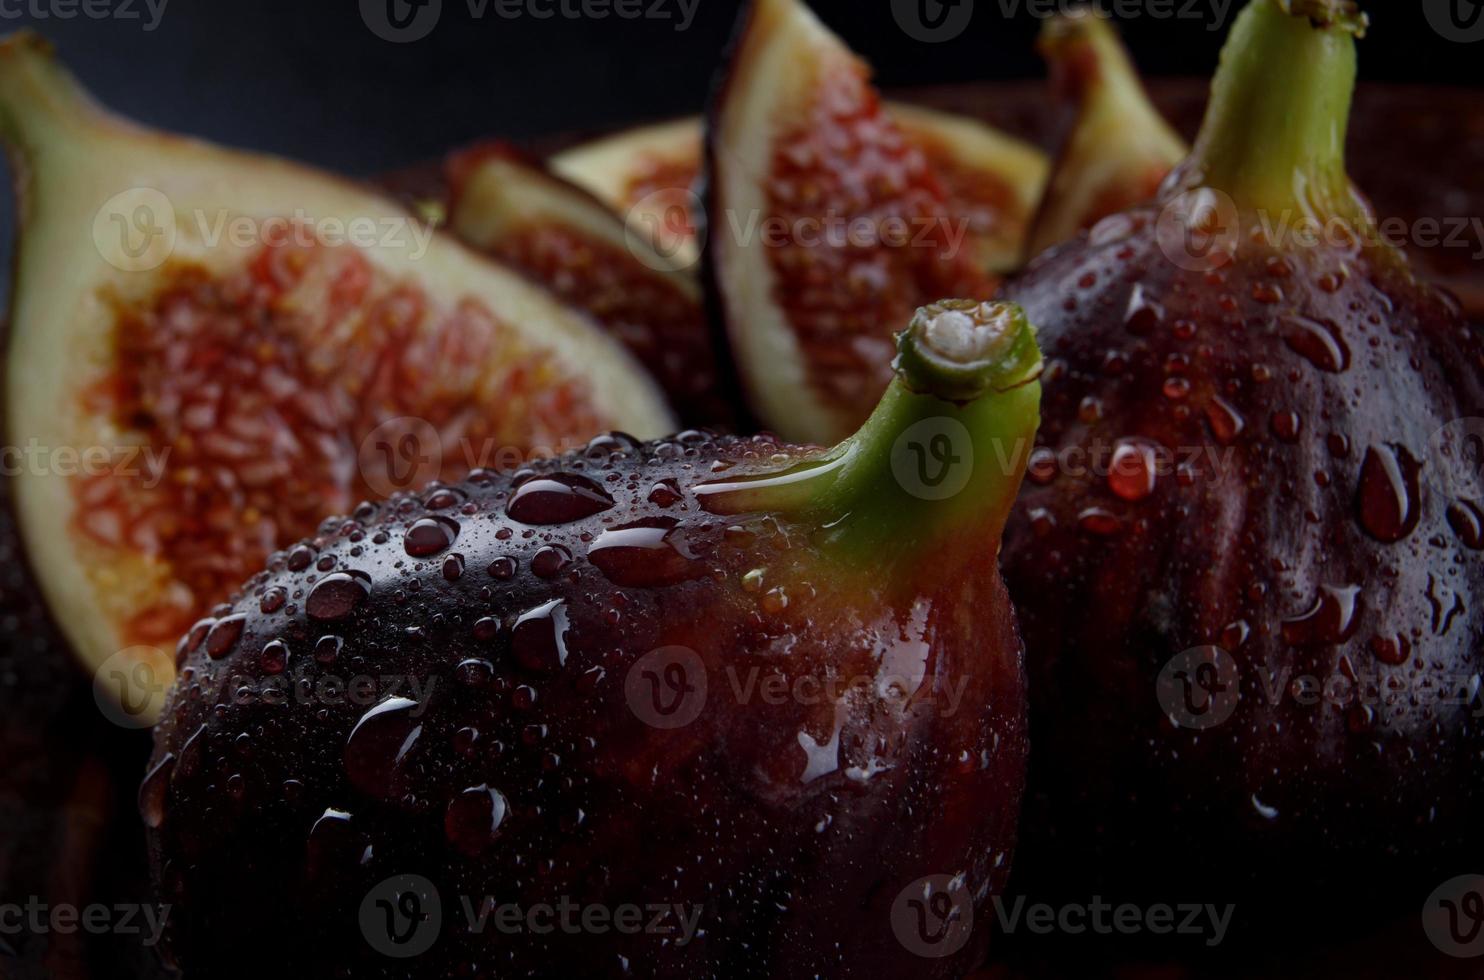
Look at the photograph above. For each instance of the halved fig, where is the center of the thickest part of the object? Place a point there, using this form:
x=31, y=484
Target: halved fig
x=827, y=225
x=567, y=240
x=1119, y=149
x=212, y=350
x=650, y=174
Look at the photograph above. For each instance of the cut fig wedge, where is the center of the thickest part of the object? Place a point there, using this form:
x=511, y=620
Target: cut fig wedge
x=572, y=243
x=650, y=174
x=212, y=350
x=1119, y=149
x=827, y=225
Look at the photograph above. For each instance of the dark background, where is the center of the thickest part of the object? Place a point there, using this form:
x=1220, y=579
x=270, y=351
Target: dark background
x=309, y=79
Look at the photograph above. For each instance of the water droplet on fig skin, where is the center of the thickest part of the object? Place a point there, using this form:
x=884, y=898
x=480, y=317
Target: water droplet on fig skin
x=1225, y=421
x=1318, y=343
x=643, y=556
x=224, y=635
x=154, y=790
x=336, y=596
x=1468, y=523
x=1332, y=619
x=430, y=535
x=538, y=639
x=473, y=819
x=379, y=742
x=549, y=561
x=275, y=657
x=558, y=499
x=1392, y=650
x=1387, y=500
x=1132, y=471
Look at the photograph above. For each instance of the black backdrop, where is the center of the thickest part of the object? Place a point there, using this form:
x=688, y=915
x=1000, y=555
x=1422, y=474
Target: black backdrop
x=309, y=79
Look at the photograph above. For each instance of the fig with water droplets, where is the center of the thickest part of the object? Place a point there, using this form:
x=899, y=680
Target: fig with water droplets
x=772, y=691
x=220, y=348
x=1239, y=468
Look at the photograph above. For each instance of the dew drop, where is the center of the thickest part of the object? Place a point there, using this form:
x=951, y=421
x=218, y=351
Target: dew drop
x=1332, y=618
x=1318, y=343
x=453, y=568
x=430, y=535
x=1393, y=650
x=337, y=596
x=327, y=649
x=643, y=556
x=1041, y=467
x=153, y=792
x=557, y=499
x=539, y=637
x=273, y=600
x=1225, y=421
x=1286, y=426
x=502, y=568
x=224, y=636
x=1142, y=314
x=1387, y=500
x=549, y=561
x=1096, y=520
x=1468, y=523
x=379, y=742
x=275, y=657
x=473, y=819
x=1132, y=470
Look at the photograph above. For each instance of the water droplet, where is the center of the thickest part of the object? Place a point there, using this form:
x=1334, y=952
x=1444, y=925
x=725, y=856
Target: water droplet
x=453, y=568
x=327, y=649
x=1318, y=343
x=1132, y=470
x=1176, y=388
x=557, y=499
x=644, y=555
x=1225, y=421
x=1235, y=635
x=337, y=596
x=430, y=535
x=1332, y=618
x=1142, y=314
x=1041, y=468
x=538, y=639
x=664, y=494
x=154, y=790
x=486, y=629
x=1096, y=520
x=1393, y=650
x=502, y=568
x=275, y=657
x=473, y=819
x=272, y=600
x=1468, y=523
x=1387, y=499
x=1286, y=426
x=378, y=744
x=224, y=636
x=549, y=561
x=299, y=558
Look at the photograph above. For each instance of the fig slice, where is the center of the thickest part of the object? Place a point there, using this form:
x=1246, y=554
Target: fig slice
x=827, y=225
x=211, y=350
x=572, y=243
x=1119, y=149
x=649, y=174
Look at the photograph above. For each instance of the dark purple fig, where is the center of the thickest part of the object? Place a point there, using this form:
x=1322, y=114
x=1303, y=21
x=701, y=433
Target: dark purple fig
x=770, y=695
x=1247, y=564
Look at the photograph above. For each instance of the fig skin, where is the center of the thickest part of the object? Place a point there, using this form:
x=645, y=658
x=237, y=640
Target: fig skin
x=1291, y=378
x=792, y=823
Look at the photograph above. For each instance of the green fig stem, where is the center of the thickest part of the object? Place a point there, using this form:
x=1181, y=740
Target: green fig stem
x=1274, y=134
x=932, y=474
